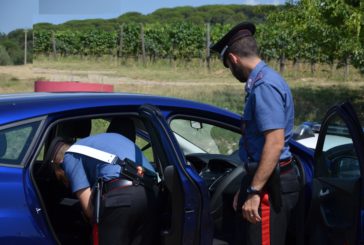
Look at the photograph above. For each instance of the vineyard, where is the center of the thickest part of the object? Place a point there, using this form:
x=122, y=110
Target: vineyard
x=313, y=42
x=311, y=31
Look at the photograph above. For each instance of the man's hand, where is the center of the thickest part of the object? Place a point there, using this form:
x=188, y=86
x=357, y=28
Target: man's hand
x=250, y=209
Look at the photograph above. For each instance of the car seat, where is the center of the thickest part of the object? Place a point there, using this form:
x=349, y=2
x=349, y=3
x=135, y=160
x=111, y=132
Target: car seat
x=124, y=126
x=73, y=129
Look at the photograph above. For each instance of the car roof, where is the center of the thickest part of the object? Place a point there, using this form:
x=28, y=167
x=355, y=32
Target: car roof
x=15, y=107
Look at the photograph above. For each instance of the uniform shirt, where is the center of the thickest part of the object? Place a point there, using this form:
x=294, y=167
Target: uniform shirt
x=83, y=171
x=268, y=105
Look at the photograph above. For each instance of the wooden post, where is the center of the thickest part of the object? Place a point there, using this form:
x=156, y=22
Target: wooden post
x=143, y=44
x=54, y=44
x=346, y=69
x=121, y=39
x=282, y=62
x=25, y=45
x=208, y=43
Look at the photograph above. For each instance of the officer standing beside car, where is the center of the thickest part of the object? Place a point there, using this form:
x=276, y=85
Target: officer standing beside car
x=114, y=183
x=270, y=190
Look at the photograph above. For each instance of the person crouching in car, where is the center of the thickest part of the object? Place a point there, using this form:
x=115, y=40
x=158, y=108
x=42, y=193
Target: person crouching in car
x=114, y=183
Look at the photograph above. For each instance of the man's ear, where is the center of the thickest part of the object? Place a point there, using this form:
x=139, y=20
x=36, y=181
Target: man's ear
x=233, y=58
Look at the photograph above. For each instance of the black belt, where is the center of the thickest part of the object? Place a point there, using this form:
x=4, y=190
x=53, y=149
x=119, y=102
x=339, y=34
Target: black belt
x=115, y=184
x=285, y=165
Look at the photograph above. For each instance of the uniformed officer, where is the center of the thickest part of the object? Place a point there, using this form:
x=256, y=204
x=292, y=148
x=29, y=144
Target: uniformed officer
x=127, y=212
x=269, y=191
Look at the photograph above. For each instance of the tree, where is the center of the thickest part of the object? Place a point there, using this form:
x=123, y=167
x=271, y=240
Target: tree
x=4, y=57
x=2, y=35
x=14, y=51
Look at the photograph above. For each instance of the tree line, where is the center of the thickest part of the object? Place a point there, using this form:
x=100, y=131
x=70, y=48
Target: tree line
x=16, y=48
x=310, y=31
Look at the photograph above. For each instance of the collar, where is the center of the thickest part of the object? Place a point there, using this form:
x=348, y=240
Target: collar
x=255, y=75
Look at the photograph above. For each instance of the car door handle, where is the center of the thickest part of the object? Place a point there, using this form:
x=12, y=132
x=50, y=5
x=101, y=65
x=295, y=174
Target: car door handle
x=324, y=193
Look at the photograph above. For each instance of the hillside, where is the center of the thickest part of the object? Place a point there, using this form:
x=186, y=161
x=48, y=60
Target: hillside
x=214, y=14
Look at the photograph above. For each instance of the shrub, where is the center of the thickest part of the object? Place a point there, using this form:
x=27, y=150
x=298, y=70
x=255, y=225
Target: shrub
x=4, y=57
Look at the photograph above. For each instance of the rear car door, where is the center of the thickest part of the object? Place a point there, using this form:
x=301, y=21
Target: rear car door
x=189, y=221
x=21, y=217
x=335, y=213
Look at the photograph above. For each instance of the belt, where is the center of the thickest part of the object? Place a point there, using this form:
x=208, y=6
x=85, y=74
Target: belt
x=115, y=184
x=285, y=165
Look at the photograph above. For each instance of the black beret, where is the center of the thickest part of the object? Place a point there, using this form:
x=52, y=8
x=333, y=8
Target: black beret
x=238, y=32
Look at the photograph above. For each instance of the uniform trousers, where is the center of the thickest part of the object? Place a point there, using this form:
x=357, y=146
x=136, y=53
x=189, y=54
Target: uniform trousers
x=128, y=216
x=272, y=230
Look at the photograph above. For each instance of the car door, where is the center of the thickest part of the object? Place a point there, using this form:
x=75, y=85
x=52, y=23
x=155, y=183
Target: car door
x=189, y=222
x=337, y=201
x=22, y=218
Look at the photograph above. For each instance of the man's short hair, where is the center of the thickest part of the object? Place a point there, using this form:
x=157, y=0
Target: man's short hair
x=245, y=47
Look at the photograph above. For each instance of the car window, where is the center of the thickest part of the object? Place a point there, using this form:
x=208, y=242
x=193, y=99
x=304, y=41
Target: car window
x=15, y=141
x=146, y=148
x=201, y=137
x=340, y=157
x=99, y=125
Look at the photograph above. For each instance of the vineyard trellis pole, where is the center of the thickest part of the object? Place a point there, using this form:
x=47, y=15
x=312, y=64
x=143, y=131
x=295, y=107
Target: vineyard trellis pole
x=54, y=44
x=143, y=43
x=208, y=43
x=121, y=40
x=25, y=45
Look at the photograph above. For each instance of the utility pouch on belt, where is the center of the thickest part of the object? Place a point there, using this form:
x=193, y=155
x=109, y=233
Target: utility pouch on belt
x=137, y=173
x=96, y=200
x=273, y=185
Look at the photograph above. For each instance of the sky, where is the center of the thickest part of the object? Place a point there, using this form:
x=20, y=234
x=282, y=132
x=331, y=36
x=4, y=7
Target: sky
x=16, y=14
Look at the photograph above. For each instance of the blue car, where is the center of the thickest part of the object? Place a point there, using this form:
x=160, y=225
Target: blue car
x=193, y=147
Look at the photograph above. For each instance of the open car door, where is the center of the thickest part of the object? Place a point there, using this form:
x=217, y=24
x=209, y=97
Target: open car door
x=337, y=200
x=186, y=220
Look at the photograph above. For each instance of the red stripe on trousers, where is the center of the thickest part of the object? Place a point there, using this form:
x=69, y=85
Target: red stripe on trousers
x=95, y=234
x=265, y=219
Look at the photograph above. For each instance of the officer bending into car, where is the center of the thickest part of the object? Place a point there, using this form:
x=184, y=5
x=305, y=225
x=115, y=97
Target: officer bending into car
x=270, y=189
x=114, y=183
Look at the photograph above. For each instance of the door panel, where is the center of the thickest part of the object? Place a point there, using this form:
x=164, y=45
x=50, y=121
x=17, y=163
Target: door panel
x=186, y=200
x=337, y=183
x=337, y=204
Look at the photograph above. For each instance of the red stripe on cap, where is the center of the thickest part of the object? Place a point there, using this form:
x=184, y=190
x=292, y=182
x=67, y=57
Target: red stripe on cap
x=265, y=207
x=95, y=234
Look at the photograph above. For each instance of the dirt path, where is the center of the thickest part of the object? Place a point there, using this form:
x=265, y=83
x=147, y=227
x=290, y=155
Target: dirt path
x=29, y=72
x=18, y=72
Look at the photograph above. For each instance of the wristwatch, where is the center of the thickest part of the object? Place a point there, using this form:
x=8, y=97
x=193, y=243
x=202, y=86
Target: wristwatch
x=252, y=191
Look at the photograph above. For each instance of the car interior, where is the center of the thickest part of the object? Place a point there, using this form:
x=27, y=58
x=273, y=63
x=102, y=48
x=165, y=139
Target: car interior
x=222, y=174
x=62, y=207
x=211, y=148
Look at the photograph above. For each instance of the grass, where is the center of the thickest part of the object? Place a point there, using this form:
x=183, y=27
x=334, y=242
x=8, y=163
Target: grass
x=11, y=84
x=313, y=94
x=162, y=70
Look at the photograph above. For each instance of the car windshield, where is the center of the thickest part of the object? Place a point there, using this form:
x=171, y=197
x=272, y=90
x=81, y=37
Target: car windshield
x=201, y=137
